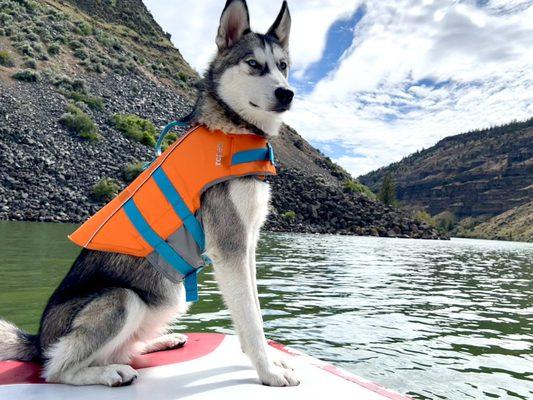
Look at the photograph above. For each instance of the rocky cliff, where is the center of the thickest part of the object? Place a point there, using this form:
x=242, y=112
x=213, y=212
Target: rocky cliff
x=515, y=224
x=478, y=173
x=72, y=75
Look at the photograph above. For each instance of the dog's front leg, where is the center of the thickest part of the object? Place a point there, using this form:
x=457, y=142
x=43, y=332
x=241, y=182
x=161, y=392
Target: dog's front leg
x=234, y=280
x=230, y=243
x=279, y=361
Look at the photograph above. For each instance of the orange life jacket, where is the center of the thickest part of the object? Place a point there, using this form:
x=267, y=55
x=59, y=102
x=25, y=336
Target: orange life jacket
x=155, y=216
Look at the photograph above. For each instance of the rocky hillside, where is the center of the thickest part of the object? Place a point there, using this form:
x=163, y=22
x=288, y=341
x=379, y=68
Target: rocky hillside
x=84, y=88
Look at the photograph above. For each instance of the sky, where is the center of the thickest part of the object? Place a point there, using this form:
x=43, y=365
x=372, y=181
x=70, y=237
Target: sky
x=378, y=80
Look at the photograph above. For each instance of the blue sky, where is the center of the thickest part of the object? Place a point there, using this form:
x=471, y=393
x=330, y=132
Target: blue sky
x=378, y=80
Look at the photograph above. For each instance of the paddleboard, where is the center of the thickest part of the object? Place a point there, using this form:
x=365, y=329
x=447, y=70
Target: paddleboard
x=209, y=366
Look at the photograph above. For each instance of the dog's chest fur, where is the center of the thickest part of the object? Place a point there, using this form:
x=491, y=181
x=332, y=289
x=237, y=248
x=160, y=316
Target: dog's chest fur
x=232, y=213
x=251, y=198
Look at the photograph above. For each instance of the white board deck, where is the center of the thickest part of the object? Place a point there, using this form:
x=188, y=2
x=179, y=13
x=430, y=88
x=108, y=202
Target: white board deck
x=210, y=366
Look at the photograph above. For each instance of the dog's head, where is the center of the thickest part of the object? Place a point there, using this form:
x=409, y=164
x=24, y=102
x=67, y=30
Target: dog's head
x=250, y=71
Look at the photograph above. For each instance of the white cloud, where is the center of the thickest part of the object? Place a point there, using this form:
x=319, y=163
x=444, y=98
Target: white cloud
x=193, y=25
x=373, y=103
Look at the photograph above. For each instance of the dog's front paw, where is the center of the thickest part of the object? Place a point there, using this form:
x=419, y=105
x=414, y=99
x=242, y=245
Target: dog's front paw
x=118, y=375
x=278, y=376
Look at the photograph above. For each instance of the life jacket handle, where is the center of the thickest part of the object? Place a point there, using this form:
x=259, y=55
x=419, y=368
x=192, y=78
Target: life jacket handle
x=163, y=133
x=161, y=138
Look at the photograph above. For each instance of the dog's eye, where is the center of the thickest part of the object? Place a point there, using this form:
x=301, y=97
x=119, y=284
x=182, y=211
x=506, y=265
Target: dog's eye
x=283, y=65
x=252, y=63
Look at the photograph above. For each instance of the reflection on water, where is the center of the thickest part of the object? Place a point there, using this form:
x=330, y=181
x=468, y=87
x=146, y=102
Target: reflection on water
x=437, y=320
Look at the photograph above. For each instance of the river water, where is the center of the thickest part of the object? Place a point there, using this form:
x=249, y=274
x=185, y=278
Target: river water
x=433, y=319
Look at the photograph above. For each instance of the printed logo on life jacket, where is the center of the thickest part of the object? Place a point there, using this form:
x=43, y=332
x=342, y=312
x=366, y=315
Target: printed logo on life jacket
x=218, y=159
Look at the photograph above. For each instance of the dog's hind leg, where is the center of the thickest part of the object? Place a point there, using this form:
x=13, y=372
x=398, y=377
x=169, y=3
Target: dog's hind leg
x=99, y=342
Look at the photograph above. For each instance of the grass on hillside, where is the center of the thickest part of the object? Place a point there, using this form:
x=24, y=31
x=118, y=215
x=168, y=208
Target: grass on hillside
x=106, y=189
x=132, y=171
x=355, y=186
x=77, y=121
x=289, y=215
x=27, y=75
x=96, y=103
x=6, y=59
x=137, y=128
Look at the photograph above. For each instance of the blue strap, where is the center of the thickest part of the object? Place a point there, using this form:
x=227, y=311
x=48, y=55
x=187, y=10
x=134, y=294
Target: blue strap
x=162, y=248
x=181, y=209
x=191, y=285
x=247, y=156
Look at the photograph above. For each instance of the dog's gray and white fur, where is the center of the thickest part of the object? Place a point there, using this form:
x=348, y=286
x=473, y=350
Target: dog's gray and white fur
x=111, y=307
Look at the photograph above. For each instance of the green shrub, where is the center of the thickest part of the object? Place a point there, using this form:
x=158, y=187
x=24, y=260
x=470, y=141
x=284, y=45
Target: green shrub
x=25, y=49
x=79, y=85
x=169, y=139
x=355, y=186
x=27, y=75
x=40, y=51
x=32, y=37
x=132, y=171
x=30, y=63
x=61, y=81
x=98, y=68
x=289, y=215
x=54, y=49
x=68, y=84
x=75, y=44
x=77, y=121
x=132, y=126
x=423, y=216
x=105, y=190
x=31, y=6
x=5, y=59
x=81, y=54
x=104, y=39
x=83, y=28
x=182, y=77
x=96, y=103
x=445, y=221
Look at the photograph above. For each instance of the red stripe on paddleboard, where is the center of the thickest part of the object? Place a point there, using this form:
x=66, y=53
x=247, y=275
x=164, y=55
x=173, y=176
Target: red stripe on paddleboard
x=198, y=345
x=341, y=373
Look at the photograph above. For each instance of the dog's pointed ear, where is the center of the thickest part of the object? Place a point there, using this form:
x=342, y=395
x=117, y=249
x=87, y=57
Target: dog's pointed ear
x=281, y=28
x=234, y=23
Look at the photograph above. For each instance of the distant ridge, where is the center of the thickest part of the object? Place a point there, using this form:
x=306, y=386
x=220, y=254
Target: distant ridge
x=478, y=174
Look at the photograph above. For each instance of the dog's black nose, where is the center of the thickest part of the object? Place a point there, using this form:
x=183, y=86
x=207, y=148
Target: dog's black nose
x=284, y=96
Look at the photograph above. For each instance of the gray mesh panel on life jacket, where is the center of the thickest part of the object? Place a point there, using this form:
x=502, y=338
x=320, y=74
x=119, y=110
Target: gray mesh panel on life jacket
x=183, y=243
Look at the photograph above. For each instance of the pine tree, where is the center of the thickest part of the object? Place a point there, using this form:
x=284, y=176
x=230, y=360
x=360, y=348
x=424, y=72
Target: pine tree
x=387, y=195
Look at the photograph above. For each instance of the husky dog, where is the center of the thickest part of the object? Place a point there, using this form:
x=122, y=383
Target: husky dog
x=110, y=306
